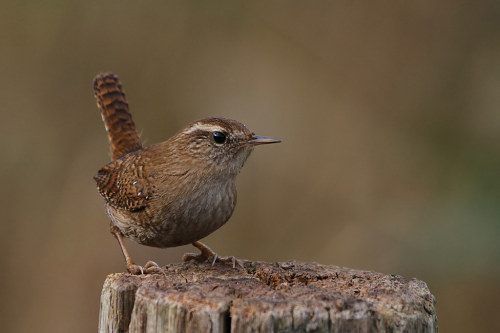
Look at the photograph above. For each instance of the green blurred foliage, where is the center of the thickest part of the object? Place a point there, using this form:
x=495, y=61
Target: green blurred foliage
x=388, y=112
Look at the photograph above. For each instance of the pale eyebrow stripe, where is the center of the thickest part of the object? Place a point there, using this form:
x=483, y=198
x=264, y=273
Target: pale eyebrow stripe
x=203, y=127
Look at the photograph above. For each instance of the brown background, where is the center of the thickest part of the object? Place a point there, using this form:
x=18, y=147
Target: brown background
x=389, y=115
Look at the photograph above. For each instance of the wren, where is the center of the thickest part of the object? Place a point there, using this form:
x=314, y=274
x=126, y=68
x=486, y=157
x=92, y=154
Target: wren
x=174, y=192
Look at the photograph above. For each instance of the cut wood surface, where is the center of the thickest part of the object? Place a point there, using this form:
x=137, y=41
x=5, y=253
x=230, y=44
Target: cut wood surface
x=265, y=297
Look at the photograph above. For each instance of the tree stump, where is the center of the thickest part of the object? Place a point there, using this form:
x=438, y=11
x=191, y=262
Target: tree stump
x=265, y=297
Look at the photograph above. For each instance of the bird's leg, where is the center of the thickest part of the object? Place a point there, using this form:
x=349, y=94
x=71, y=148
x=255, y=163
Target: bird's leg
x=150, y=267
x=131, y=267
x=207, y=253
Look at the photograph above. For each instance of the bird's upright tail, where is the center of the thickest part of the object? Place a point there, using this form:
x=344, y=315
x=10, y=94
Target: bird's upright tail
x=122, y=134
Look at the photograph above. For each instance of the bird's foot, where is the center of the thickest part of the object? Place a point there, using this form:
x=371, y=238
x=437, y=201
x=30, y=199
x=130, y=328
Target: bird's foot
x=150, y=268
x=208, y=254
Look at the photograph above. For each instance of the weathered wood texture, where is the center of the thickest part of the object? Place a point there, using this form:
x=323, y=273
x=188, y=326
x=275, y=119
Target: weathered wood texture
x=264, y=297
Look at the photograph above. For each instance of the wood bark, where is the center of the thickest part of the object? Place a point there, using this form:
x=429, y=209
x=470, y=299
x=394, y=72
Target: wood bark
x=265, y=297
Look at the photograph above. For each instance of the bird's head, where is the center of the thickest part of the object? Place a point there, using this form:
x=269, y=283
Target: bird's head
x=219, y=143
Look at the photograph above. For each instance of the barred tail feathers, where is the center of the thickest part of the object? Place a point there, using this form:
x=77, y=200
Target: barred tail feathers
x=111, y=100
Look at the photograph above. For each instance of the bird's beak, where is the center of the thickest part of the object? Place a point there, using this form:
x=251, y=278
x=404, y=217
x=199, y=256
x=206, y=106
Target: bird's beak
x=262, y=140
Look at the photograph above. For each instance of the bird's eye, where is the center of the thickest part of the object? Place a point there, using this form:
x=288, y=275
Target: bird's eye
x=219, y=137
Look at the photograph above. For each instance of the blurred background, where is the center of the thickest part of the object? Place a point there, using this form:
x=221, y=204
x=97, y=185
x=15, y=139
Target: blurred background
x=389, y=115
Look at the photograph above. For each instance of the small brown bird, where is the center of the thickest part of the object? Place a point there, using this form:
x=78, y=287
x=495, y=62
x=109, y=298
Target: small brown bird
x=171, y=193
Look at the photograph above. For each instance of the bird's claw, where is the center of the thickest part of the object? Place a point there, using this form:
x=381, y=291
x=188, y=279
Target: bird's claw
x=134, y=269
x=229, y=259
x=150, y=268
x=216, y=258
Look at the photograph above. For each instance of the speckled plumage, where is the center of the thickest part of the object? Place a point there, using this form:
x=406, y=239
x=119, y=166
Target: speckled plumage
x=164, y=196
x=175, y=192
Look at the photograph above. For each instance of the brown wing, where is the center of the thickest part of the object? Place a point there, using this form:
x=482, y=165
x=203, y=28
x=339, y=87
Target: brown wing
x=122, y=183
x=122, y=134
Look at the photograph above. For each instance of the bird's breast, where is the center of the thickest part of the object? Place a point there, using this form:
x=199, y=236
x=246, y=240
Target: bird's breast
x=199, y=213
